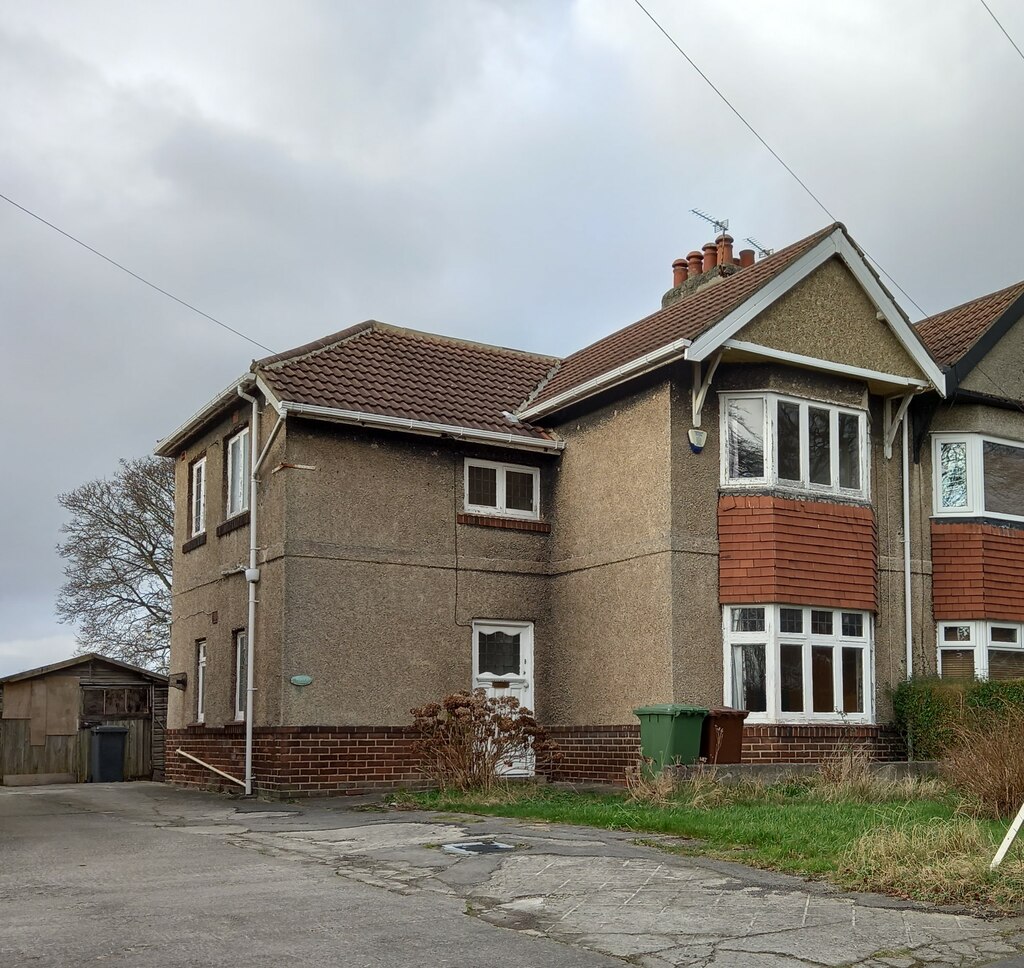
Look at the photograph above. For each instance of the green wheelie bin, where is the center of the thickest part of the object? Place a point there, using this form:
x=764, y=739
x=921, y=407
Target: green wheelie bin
x=670, y=734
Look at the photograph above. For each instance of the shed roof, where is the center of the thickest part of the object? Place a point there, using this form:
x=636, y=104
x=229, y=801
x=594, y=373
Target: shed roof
x=77, y=660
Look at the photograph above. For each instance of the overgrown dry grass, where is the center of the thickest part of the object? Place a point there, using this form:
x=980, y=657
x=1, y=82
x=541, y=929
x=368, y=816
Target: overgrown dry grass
x=983, y=762
x=945, y=861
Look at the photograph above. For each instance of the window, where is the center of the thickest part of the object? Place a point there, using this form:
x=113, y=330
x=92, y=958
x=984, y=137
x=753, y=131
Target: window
x=241, y=674
x=507, y=489
x=788, y=663
x=980, y=649
x=201, y=681
x=199, y=496
x=978, y=475
x=788, y=442
x=238, y=473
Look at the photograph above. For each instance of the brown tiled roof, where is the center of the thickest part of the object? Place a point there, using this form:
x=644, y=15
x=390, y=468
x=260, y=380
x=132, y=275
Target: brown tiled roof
x=685, y=319
x=950, y=334
x=383, y=370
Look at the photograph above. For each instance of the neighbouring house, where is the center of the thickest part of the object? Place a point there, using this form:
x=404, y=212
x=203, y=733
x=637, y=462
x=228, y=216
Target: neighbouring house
x=47, y=716
x=727, y=502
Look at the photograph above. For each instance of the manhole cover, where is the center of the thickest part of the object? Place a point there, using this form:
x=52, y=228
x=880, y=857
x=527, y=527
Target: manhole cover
x=480, y=847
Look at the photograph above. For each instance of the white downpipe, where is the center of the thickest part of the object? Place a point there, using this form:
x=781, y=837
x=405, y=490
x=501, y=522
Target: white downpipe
x=252, y=577
x=907, y=606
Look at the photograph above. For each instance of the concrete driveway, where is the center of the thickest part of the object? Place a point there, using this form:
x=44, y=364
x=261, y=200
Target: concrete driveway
x=142, y=874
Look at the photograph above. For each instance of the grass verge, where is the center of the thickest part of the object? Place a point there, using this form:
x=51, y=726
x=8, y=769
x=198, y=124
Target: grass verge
x=906, y=842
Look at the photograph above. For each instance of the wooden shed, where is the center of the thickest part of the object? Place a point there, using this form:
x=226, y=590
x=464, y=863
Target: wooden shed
x=47, y=715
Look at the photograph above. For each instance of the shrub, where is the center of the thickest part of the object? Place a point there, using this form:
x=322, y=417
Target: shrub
x=983, y=761
x=468, y=739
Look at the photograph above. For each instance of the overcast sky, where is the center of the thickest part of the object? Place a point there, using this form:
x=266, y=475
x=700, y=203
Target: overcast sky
x=512, y=172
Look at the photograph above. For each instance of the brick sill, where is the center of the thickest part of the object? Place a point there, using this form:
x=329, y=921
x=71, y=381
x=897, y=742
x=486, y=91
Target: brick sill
x=197, y=542
x=233, y=524
x=509, y=524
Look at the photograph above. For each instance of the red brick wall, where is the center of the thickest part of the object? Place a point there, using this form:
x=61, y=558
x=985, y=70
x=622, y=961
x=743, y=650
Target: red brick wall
x=977, y=572
x=811, y=744
x=297, y=761
x=595, y=754
x=804, y=552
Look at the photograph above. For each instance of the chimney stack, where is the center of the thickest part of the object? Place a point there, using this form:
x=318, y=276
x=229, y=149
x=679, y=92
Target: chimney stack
x=694, y=259
x=724, y=242
x=710, y=256
x=746, y=258
x=680, y=273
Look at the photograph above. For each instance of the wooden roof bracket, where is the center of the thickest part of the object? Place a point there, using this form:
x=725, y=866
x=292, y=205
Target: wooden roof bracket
x=892, y=420
x=701, y=385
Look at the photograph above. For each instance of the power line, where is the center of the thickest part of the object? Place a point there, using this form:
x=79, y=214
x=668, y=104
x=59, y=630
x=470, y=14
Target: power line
x=135, y=275
x=1003, y=29
x=707, y=80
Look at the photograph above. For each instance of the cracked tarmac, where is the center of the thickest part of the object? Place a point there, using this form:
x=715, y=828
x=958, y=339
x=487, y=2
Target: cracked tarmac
x=571, y=896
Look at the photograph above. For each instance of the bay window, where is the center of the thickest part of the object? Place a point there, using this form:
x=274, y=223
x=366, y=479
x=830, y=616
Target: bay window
x=981, y=649
x=978, y=476
x=787, y=663
x=789, y=442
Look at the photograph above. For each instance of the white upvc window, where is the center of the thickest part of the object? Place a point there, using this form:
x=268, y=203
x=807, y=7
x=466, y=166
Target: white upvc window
x=976, y=475
x=509, y=490
x=798, y=663
x=789, y=442
x=241, y=674
x=199, y=497
x=981, y=649
x=201, y=681
x=238, y=473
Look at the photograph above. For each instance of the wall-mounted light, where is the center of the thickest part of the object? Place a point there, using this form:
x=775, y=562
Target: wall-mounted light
x=698, y=438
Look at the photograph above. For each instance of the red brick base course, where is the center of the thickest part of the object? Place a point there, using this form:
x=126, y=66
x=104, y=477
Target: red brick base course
x=317, y=761
x=297, y=761
x=811, y=744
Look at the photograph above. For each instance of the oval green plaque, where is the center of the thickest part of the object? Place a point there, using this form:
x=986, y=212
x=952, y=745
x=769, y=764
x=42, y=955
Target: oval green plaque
x=301, y=680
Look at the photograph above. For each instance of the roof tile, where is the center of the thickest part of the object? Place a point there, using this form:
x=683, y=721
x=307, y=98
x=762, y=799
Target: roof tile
x=949, y=335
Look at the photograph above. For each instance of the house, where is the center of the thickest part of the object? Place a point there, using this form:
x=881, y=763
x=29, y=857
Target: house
x=722, y=502
x=47, y=716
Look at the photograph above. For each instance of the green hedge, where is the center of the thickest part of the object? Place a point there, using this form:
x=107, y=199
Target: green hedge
x=928, y=709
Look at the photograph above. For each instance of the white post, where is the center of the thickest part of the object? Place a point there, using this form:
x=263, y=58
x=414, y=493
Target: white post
x=1008, y=840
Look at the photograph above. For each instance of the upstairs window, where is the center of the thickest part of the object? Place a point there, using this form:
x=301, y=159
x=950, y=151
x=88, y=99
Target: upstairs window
x=510, y=490
x=786, y=442
x=241, y=671
x=238, y=473
x=198, y=513
x=977, y=475
x=201, y=681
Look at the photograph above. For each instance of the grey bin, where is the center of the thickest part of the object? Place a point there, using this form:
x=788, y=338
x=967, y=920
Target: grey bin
x=106, y=754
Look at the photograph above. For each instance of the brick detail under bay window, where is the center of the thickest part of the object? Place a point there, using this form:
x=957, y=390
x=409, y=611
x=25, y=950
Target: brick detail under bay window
x=802, y=552
x=510, y=524
x=297, y=761
x=814, y=743
x=977, y=572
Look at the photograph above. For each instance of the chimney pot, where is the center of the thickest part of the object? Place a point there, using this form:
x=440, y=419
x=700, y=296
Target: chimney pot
x=724, y=242
x=695, y=259
x=679, y=273
x=746, y=258
x=710, y=256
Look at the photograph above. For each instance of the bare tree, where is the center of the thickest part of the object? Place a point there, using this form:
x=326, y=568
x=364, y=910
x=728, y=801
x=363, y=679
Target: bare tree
x=119, y=547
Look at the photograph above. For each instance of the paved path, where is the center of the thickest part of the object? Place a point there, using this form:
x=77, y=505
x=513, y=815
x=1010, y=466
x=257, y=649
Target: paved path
x=141, y=874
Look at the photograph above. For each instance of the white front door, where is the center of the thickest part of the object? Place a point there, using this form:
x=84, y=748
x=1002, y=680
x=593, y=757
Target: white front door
x=503, y=665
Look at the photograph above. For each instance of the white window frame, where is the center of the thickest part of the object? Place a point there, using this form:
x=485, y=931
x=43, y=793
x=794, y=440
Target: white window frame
x=198, y=475
x=241, y=644
x=770, y=402
x=975, y=450
x=201, y=681
x=980, y=642
x=774, y=639
x=238, y=503
x=500, y=510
